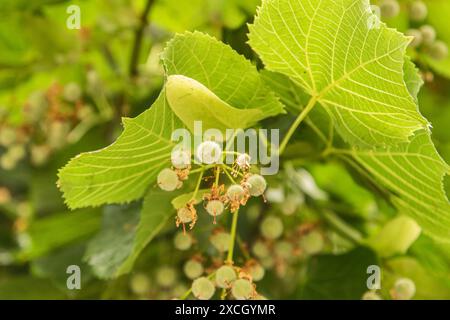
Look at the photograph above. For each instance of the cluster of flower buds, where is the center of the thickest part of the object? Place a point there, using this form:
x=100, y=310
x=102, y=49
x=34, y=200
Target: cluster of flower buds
x=423, y=35
x=243, y=184
x=48, y=122
x=163, y=283
x=208, y=276
x=277, y=249
x=403, y=289
x=239, y=283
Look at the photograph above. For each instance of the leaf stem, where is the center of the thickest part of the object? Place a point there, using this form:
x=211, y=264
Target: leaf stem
x=217, y=176
x=197, y=187
x=228, y=174
x=233, y=237
x=297, y=122
x=229, y=259
x=202, y=168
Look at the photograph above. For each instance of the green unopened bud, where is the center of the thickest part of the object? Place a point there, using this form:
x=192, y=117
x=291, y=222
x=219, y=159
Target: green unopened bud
x=8, y=136
x=193, y=269
x=257, y=185
x=221, y=241
x=168, y=180
x=72, y=92
x=140, y=284
x=439, y=50
x=235, y=192
x=182, y=241
x=242, y=289
x=271, y=227
x=312, y=243
x=215, y=207
x=225, y=275
x=389, y=8
x=260, y=249
x=404, y=289
x=428, y=34
x=203, y=288
x=371, y=295
x=418, y=11
x=166, y=276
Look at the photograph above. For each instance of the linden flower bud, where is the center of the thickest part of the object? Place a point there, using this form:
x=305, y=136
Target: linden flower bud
x=168, y=180
x=292, y=203
x=371, y=295
x=428, y=34
x=209, y=152
x=5, y=195
x=242, y=289
x=417, y=37
x=182, y=241
x=418, y=11
x=312, y=243
x=140, y=284
x=268, y=262
x=257, y=185
x=193, y=269
x=215, y=207
x=57, y=134
x=72, y=92
x=235, y=192
x=439, y=50
x=203, y=288
x=404, y=289
x=284, y=249
x=389, y=8
x=17, y=152
x=221, y=241
x=275, y=195
x=181, y=159
x=225, y=275
x=256, y=271
x=260, y=249
x=271, y=227
x=39, y=154
x=166, y=276
x=7, y=162
x=243, y=161
x=184, y=215
x=7, y=136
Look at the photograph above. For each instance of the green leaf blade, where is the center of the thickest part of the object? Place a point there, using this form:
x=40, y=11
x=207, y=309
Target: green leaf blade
x=354, y=71
x=413, y=172
x=123, y=171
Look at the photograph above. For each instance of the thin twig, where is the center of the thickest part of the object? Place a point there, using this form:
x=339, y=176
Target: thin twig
x=138, y=36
